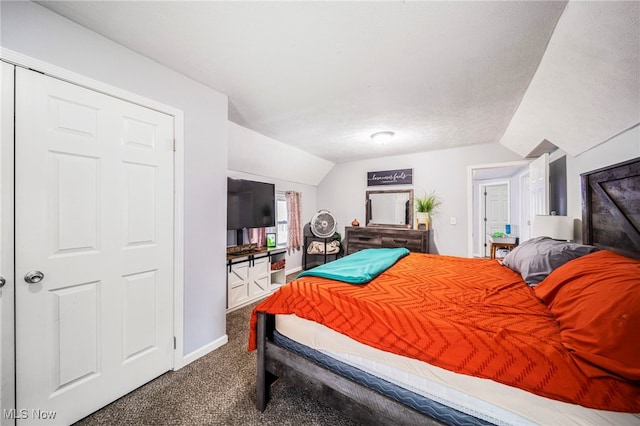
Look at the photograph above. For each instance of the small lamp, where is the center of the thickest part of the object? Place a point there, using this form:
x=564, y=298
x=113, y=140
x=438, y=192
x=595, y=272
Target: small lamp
x=556, y=227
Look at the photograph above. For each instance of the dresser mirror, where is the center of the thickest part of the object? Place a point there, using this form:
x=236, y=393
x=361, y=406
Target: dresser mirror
x=390, y=208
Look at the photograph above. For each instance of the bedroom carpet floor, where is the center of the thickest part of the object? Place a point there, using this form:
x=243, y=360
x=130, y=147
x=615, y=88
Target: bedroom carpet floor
x=217, y=389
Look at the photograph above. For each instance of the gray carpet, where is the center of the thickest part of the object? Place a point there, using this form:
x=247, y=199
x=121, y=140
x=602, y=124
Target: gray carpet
x=217, y=389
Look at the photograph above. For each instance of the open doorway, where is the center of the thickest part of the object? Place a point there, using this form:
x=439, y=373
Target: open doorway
x=488, y=174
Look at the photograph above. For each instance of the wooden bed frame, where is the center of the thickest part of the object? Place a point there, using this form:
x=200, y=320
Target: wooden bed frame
x=611, y=220
x=358, y=402
x=611, y=208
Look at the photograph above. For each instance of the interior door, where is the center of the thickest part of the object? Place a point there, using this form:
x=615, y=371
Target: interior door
x=525, y=207
x=496, y=210
x=539, y=186
x=94, y=248
x=7, y=350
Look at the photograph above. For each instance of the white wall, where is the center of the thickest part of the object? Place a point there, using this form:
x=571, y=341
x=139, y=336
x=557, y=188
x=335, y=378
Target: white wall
x=293, y=257
x=251, y=152
x=31, y=30
x=622, y=147
x=343, y=190
x=586, y=87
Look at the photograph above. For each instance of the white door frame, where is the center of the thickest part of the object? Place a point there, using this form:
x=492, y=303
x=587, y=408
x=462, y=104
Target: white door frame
x=7, y=336
x=21, y=60
x=470, y=206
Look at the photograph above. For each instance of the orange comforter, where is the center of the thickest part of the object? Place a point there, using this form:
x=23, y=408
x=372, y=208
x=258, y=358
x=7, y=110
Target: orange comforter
x=471, y=316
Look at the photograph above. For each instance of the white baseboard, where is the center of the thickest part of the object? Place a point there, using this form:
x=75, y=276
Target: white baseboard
x=294, y=270
x=199, y=353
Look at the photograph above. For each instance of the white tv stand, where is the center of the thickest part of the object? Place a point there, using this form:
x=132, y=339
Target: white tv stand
x=250, y=277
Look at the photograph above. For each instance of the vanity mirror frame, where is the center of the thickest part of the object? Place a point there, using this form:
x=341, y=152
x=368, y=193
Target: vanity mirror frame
x=388, y=225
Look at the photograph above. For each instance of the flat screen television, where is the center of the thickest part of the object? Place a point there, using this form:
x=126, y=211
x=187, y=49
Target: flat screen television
x=250, y=204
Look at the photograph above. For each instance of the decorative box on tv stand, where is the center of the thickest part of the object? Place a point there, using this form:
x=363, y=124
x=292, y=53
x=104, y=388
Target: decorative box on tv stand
x=246, y=248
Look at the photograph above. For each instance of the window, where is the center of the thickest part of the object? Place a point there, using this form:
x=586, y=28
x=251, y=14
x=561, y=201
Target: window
x=281, y=220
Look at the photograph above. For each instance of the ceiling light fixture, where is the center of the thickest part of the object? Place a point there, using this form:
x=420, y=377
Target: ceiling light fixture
x=382, y=137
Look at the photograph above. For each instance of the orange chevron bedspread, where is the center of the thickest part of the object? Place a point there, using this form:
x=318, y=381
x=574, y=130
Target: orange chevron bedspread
x=470, y=316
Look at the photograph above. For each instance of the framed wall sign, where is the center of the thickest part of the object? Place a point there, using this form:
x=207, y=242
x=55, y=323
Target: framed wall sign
x=390, y=177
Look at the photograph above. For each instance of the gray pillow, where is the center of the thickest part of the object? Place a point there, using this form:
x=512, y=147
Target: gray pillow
x=536, y=258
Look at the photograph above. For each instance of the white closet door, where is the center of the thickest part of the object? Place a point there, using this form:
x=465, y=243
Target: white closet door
x=7, y=350
x=497, y=211
x=94, y=215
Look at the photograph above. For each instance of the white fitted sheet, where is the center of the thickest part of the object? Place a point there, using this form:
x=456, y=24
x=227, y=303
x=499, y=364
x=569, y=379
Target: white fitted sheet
x=482, y=398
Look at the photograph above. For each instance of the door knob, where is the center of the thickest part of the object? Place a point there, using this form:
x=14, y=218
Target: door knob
x=34, y=277
x=2, y=282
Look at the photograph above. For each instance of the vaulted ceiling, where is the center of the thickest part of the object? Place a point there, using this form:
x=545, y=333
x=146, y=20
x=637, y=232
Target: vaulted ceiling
x=324, y=76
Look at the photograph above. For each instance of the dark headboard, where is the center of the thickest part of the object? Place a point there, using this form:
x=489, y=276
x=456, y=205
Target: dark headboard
x=611, y=208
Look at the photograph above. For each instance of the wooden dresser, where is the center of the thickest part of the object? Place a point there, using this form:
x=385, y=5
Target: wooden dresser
x=358, y=238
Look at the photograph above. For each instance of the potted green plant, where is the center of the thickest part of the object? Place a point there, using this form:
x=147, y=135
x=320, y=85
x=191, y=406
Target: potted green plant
x=426, y=205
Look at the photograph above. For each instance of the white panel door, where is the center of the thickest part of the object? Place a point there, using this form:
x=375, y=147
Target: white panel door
x=539, y=186
x=496, y=203
x=7, y=350
x=525, y=206
x=94, y=214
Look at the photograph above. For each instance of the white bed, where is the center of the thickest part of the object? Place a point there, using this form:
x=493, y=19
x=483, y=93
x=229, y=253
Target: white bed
x=481, y=398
